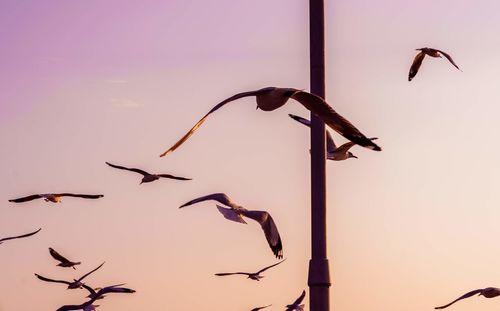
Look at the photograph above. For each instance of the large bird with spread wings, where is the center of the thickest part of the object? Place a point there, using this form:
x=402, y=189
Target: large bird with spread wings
x=88, y=305
x=272, y=98
x=63, y=261
x=235, y=213
x=71, y=285
x=488, y=292
x=297, y=304
x=19, y=236
x=55, y=197
x=417, y=61
x=251, y=275
x=147, y=177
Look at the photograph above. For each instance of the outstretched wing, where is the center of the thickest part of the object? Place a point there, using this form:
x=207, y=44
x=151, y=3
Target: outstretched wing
x=84, y=276
x=232, y=273
x=200, y=122
x=20, y=236
x=334, y=120
x=219, y=197
x=300, y=119
x=270, y=230
x=330, y=144
x=299, y=300
x=100, y=293
x=262, y=270
x=85, y=196
x=469, y=294
x=260, y=308
x=417, y=61
x=449, y=59
x=57, y=256
x=51, y=280
x=25, y=199
x=136, y=170
x=173, y=177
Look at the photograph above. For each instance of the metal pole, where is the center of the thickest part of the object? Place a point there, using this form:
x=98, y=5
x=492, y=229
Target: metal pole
x=319, y=274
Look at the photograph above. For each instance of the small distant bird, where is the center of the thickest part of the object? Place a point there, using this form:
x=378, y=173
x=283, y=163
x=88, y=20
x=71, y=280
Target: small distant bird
x=147, y=176
x=235, y=213
x=488, y=292
x=20, y=236
x=271, y=98
x=260, y=308
x=297, y=304
x=254, y=276
x=64, y=262
x=71, y=285
x=55, y=197
x=87, y=306
x=420, y=57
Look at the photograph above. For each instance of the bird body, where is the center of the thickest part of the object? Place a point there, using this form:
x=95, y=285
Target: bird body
x=20, y=236
x=488, y=292
x=417, y=61
x=147, y=177
x=296, y=305
x=64, y=262
x=55, y=197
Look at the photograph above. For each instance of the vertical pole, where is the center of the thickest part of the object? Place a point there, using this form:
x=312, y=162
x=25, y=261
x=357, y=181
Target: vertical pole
x=319, y=275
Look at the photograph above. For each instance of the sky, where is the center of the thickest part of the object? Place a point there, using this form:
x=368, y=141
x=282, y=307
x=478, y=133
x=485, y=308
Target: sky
x=84, y=82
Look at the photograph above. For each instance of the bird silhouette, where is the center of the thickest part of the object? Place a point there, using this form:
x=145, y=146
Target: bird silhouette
x=71, y=285
x=86, y=306
x=64, y=262
x=19, y=236
x=296, y=305
x=417, y=61
x=488, y=292
x=251, y=275
x=260, y=308
x=55, y=197
x=147, y=177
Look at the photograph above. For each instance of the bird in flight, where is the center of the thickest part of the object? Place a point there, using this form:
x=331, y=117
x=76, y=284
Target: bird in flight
x=271, y=98
x=260, y=308
x=147, y=176
x=93, y=292
x=235, y=213
x=55, y=197
x=20, y=236
x=64, y=262
x=88, y=305
x=296, y=305
x=255, y=275
x=488, y=292
x=417, y=61
x=71, y=285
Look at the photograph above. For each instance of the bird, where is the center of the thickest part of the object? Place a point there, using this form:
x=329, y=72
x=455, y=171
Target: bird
x=88, y=305
x=296, y=304
x=64, y=262
x=235, y=213
x=488, y=292
x=55, y=197
x=71, y=285
x=253, y=276
x=260, y=308
x=417, y=61
x=332, y=152
x=271, y=98
x=20, y=236
x=93, y=292
x=147, y=176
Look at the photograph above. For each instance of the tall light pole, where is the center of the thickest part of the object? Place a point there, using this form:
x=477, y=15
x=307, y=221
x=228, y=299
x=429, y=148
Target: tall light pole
x=319, y=274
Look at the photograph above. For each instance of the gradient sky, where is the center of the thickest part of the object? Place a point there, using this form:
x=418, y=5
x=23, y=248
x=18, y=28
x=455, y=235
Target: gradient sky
x=84, y=82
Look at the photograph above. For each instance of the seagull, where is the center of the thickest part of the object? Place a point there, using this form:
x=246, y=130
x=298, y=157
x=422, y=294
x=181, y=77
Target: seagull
x=271, y=98
x=235, y=213
x=260, y=308
x=296, y=305
x=71, y=285
x=20, y=236
x=488, y=292
x=93, y=292
x=87, y=306
x=420, y=57
x=147, y=176
x=55, y=197
x=332, y=152
x=64, y=262
x=254, y=276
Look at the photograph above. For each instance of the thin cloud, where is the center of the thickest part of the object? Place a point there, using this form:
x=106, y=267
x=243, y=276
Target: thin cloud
x=124, y=102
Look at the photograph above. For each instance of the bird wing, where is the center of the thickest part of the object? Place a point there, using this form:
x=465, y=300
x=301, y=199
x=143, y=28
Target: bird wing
x=262, y=270
x=128, y=169
x=25, y=199
x=330, y=144
x=300, y=119
x=89, y=289
x=57, y=256
x=200, y=122
x=299, y=300
x=230, y=214
x=51, y=280
x=449, y=59
x=219, y=197
x=417, y=61
x=260, y=308
x=334, y=120
x=232, y=273
x=20, y=236
x=172, y=177
x=84, y=276
x=270, y=230
x=469, y=294
x=85, y=196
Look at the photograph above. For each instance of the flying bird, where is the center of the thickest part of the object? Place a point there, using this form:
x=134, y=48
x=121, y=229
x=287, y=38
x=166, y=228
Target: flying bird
x=488, y=292
x=55, y=197
x=64, y=262
x=297, y=303
x=235, y=213
x=260, y=308
x=417, y=61
x=147, y=176
x=87, y=306
x=93, y=292
x=71, y=285
x=254, y=276
x=20, y=236
x=272, y=98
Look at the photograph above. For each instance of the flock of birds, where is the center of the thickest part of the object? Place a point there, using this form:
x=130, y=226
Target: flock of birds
x=268, y=99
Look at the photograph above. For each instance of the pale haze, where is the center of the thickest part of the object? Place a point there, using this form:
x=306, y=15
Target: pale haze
x=84, y=82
